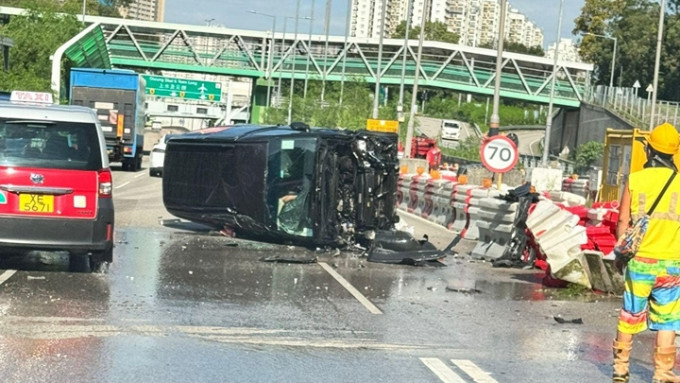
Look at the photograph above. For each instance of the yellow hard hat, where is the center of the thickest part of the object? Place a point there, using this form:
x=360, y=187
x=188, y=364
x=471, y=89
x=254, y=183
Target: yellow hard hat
x=664, y=139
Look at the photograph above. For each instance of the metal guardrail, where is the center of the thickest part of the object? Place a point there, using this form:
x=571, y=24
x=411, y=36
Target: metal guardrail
x=627, y=105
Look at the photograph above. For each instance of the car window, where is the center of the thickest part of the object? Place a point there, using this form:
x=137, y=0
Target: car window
x=47, y=144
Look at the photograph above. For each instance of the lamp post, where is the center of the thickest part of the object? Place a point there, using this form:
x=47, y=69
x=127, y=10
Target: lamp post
x=271, y=54
x=292, y=77
x=84, y=4
x=611, y=78
x=309, y=48
x=548, y=124
x=326, y=28
x=344, y=58
x=414, y=96
x=376, y=96
x=400, y=106
x=657, y=59
x=495, y=121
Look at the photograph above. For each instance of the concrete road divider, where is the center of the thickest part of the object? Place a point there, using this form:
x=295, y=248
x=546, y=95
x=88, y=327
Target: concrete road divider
x=421, y=185
x=441, y=200
x=602, y=273
x=495, y=226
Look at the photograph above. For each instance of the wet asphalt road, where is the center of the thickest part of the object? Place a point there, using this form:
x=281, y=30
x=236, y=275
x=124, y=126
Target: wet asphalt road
x=186, y=306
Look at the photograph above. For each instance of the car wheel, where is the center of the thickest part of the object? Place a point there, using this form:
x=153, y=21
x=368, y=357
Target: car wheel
x=79, y=263
x=99, y=260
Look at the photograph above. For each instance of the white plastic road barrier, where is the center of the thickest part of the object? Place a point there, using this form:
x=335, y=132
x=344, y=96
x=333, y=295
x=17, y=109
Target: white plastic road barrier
x=560, y=237
x=566, y=198
x=495, y=226
x=403, y=184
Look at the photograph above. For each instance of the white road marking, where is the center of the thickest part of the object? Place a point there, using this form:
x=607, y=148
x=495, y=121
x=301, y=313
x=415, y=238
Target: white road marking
x=352, y=290
x=121, y=185
x=476, y=373
x=140, y=174
x=443, y=372
x=6, y=275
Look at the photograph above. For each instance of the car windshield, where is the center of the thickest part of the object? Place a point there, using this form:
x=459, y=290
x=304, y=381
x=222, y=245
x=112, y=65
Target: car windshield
x=46, y=144
x=451, y=125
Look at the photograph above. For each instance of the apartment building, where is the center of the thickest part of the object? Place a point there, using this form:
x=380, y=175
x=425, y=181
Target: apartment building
x=568, y=51
x=149, y=10
x=475, y=21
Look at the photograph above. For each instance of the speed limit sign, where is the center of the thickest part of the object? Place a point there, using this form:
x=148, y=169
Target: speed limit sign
x=499, y=154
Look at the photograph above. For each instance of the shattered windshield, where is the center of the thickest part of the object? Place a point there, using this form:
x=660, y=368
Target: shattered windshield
x=292, y=163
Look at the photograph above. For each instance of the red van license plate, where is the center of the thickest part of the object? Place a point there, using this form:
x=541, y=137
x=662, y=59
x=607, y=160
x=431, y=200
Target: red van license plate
x=36, y=203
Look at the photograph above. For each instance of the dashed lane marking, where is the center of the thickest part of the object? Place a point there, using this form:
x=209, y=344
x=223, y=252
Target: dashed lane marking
x=352, y=290
x=121, y=185
x=140, y=174
x=476, y=373
x=6, y=275
x=443, y=372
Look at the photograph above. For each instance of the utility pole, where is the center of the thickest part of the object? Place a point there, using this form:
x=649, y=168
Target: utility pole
x=414, y=96
x=327, y=20
x=495, y=121
x=376, y=96
x=309, y=48
x=292, y=77
x=657, y=59
x=548, y=124
x=400, y=106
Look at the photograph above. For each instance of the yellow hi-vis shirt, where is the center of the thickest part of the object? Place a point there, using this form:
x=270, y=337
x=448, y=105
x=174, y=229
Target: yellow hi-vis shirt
x=662, y=240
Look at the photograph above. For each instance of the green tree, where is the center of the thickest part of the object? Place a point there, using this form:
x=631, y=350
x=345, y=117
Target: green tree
x=587, y=154
x=634, y=23
x=434, y=31
x=36, y=37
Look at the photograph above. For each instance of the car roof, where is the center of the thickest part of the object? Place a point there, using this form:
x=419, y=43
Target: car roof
x=49, y=112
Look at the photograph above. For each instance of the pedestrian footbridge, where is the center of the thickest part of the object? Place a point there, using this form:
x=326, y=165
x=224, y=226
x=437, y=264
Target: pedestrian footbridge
x=113, y=42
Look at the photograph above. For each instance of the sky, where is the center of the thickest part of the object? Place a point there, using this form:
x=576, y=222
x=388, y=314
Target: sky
x=234, y=14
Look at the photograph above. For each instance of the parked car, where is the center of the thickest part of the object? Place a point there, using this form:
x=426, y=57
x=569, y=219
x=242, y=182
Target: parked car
x=450, y=130
x=55, y=181
x=157, y=156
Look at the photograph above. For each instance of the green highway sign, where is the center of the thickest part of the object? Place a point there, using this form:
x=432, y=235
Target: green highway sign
x=183, y=88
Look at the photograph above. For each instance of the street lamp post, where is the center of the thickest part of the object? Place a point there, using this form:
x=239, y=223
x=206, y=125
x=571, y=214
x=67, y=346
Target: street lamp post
x=326, y=28
x=344, y=58
x=657, y=60
x=611, y=78
x=495, y=121
x=292, y=77
x=400, y=106
x=84, y=2
x=414, y=96
x=271, y=54
x=548, y=124
x=376, y=97
x=309, y=48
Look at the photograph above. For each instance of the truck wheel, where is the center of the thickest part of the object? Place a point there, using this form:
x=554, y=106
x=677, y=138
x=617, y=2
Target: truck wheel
x=138, y=161
x=128, y=164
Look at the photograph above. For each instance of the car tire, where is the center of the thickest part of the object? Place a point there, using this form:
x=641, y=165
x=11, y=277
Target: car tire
x=100, y=259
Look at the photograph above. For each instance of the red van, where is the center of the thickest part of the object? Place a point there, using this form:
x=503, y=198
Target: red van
x=55, y=182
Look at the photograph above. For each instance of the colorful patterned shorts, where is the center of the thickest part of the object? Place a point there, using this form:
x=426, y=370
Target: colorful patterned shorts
x=652, y=293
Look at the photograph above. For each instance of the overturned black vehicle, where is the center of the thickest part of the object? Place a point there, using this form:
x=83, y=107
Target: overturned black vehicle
x=286, y=184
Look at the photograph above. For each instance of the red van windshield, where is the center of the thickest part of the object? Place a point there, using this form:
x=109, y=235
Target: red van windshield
x=47, y=144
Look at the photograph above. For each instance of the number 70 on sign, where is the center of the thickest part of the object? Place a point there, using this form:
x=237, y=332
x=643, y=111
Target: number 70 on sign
x=499, y=154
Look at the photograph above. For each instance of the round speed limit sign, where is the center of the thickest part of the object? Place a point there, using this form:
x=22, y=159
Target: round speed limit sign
x=499, y=154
